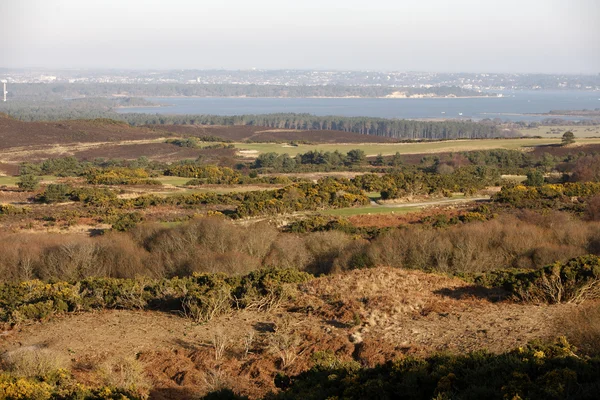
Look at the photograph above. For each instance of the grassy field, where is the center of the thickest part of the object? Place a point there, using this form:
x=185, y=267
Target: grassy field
x=558, y=131
x=172, y=180
x=347, y=212
x=12, y=180
x=220, y=189
x=372, y=149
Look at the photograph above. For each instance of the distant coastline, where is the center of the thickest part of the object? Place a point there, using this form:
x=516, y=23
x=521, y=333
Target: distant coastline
x=417, y=97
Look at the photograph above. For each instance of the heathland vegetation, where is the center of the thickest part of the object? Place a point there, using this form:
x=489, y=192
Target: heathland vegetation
x=207, y=273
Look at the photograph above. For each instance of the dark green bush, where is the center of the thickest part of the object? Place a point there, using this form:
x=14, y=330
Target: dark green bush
x=28, y=182
x=536, y=371
x=55, y=193
x=201, y=296
x=127, y=221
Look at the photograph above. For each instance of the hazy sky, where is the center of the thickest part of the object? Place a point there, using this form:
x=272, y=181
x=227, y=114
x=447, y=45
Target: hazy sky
x=424, y=35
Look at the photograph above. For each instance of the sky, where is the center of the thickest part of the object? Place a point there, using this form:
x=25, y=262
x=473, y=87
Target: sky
x=535, y=36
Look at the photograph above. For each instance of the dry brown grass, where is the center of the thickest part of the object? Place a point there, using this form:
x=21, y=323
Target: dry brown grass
x=126, y=372
x=33, y=362
x=582, y=328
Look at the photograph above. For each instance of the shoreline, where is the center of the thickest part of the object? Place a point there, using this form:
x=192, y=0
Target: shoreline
x=316, y=97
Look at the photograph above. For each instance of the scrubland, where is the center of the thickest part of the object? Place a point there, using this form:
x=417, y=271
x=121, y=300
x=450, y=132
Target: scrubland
x=214, y=276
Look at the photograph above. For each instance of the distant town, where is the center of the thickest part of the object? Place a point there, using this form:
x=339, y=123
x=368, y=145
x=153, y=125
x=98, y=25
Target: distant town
x=468, y=81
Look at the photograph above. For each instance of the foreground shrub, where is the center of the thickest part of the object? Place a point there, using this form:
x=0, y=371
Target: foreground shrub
x=32, y=362
x=582, y=327
x=200, y=297
x=571, y=282
x=536, y=371
x=59, y=385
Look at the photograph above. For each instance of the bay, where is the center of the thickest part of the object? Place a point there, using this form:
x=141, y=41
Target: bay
x=512, y=106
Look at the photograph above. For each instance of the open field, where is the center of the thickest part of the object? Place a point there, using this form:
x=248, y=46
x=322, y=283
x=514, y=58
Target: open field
x=172, y=180
x=11, y=181
x=347, y=212
x=399, y=208
x=372, y=149
x=558, y=131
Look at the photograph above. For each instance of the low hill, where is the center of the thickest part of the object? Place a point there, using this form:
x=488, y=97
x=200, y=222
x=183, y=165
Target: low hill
x=15, y=133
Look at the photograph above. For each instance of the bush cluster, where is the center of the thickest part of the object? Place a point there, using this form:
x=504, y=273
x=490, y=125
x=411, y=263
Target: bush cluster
x=537, y=371
x=301, y=196
x=320, y=245
x=200, y=296
x=572, y=281
x=59, y=385
x=120, y=176
x=545, y=196
x=410, y=183
x=9, y=209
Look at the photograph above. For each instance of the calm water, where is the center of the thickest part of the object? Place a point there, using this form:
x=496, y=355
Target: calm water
x=512, y=106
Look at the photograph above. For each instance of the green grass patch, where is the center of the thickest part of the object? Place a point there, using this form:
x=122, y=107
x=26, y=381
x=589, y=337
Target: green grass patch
x=220, y=190
x=374, y=196
x=347, y=212
x=12, y=180
x=372, y=149
x=172, y=180
x=558, y=130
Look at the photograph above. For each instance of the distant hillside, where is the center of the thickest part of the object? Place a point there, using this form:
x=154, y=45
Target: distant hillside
x=15, y=133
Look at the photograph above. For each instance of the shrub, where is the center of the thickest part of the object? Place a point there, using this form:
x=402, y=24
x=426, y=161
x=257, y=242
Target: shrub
x=120, y=176
x=534, y=178
x=32, y=362
x=571, y=282
x=211, y=297
x=266, y=289
x=536, y=371
x=28, y=182
x=60, y=385
x=201, y=297
x=9, y=209
x=127, y=221
x=55, y=193
x=582, y=327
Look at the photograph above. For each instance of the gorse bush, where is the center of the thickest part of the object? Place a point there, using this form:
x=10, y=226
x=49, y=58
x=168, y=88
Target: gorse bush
x=545, y=196
x=562, y=282
x=201, y=296
x=9, y=209
x=536, y=372
x=208, y=174
x=410, y=183
x=60, y=385
x=301, y=196
x=120, y=176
